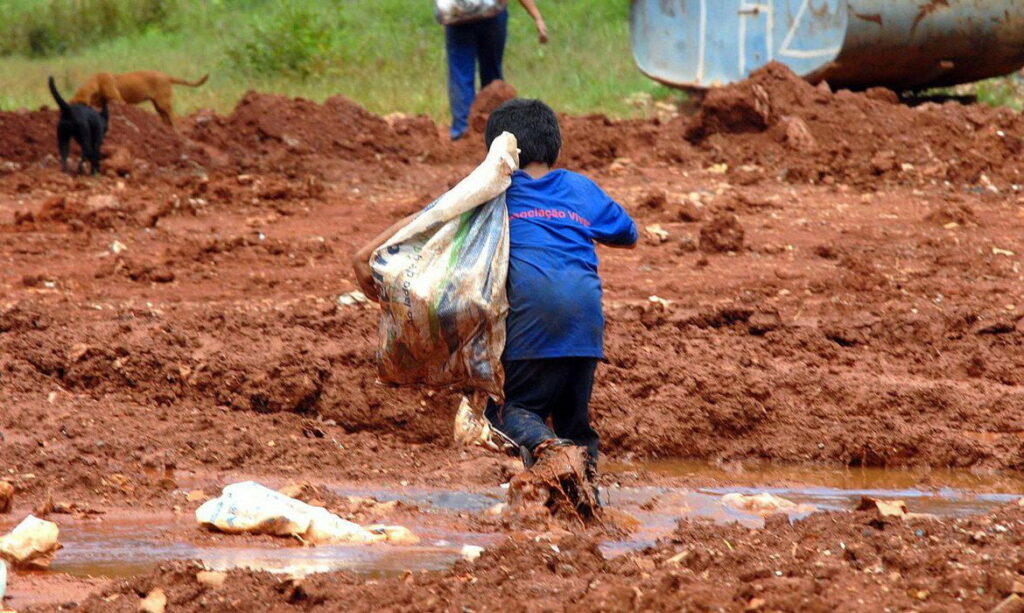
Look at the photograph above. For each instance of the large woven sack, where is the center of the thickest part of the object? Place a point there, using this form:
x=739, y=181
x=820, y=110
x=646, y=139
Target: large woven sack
x=442, y=284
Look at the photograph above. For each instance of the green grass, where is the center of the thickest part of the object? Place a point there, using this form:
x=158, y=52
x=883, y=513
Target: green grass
x=1001, y=91
x=388, y=55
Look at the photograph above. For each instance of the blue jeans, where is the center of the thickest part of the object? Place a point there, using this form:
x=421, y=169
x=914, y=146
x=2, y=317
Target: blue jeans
x=468, y=43
x=535, y=390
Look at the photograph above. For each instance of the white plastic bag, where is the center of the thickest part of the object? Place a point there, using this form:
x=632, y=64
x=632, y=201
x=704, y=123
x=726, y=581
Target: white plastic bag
x=451, y=12
x=442, y=284
x=31, y=544
x=251, y=507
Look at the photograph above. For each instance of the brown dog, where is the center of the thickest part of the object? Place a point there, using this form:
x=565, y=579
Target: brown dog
x=133, y=88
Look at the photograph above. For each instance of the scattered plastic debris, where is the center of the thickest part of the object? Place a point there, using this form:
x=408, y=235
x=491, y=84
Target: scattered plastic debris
x=765, y=504
x=32, y=543
x=471, y=552
x=354, y=298
x=251, y=507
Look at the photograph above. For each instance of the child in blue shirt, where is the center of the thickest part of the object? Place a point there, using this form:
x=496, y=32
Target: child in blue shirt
x=555, y=323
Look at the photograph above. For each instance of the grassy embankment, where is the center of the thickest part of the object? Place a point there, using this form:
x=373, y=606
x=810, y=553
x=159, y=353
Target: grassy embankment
x=388, y=55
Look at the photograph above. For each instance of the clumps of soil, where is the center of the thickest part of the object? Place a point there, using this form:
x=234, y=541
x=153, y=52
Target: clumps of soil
x=99, y=211
x=953, y=213
x=723, y=233
x=487, y=99
x=688, y=211
x=556, y=485
x=651, y=201
x=593, y=142
x=778, y=120
x=746, y=106
x=882, y=94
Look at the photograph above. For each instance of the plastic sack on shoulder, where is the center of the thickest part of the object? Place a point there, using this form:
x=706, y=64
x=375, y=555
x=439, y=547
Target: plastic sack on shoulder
x=451, y=12
x=442, y=284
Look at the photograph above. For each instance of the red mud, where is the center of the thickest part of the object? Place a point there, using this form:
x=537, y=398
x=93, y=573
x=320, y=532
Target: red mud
x=488, y=99
x=847, y=561
x=180, y=312
x=806, y=133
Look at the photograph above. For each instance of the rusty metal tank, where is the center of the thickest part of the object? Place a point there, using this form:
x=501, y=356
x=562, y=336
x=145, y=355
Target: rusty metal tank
x=900, y=44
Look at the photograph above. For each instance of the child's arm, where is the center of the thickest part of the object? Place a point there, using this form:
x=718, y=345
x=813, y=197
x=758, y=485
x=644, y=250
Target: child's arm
x=629, y=246
x=361, y=259
x=613, y=227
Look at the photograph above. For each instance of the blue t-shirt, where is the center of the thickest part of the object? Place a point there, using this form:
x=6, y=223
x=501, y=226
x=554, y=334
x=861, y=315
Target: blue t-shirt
x=554, y=292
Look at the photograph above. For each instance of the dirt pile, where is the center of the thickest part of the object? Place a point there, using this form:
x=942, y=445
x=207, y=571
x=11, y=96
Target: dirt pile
x=594, y=142
x=848, y=561
x=265, y=129
x=772, y=123
x=488, y=99
x=262, y=131
x=777, y=120
x=30, y=136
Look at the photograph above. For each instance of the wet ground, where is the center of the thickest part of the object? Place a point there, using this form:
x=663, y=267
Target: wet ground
x=127, y=545
x=829, y=286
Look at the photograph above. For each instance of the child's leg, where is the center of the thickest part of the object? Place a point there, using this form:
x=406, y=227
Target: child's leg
x=461, y=47
x=571, y=415
x=530, y=388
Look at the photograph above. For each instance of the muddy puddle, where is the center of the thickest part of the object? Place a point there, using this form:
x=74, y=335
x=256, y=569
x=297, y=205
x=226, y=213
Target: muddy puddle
x=122, y=548
x=119, y=547
x=938, y=492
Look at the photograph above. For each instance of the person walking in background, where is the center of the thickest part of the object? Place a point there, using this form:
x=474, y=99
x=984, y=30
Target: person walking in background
x=475, y=32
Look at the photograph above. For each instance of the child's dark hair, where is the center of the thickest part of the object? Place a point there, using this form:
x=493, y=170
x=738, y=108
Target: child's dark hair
x=534, y=125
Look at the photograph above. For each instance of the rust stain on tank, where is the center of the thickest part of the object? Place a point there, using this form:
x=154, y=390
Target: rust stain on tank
x=928, y=9
x=875, y=17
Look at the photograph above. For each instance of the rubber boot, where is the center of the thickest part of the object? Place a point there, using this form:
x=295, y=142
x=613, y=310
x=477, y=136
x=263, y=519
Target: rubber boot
x=530, y=456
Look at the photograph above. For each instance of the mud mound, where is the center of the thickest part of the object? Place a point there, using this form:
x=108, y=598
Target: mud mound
x=488, y=99
x=145, y=137
x=268, y=128
x=595, y=141
x=30, y=136
x=778, y=120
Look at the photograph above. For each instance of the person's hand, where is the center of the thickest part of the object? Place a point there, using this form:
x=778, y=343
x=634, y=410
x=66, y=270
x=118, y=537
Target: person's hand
x=542, y=31
x=368, y=287
x=364, y=276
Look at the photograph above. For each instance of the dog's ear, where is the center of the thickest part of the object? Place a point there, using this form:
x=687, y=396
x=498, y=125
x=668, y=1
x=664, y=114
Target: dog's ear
x=104, y=113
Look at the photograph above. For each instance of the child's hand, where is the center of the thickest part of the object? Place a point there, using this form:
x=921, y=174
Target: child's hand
x=542, y=30
x=364, y=278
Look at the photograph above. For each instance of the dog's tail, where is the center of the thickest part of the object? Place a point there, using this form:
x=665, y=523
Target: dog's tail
x=64, y=106
x=190, y=83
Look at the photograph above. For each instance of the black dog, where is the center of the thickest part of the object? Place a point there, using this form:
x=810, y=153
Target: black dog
x=85, y=125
